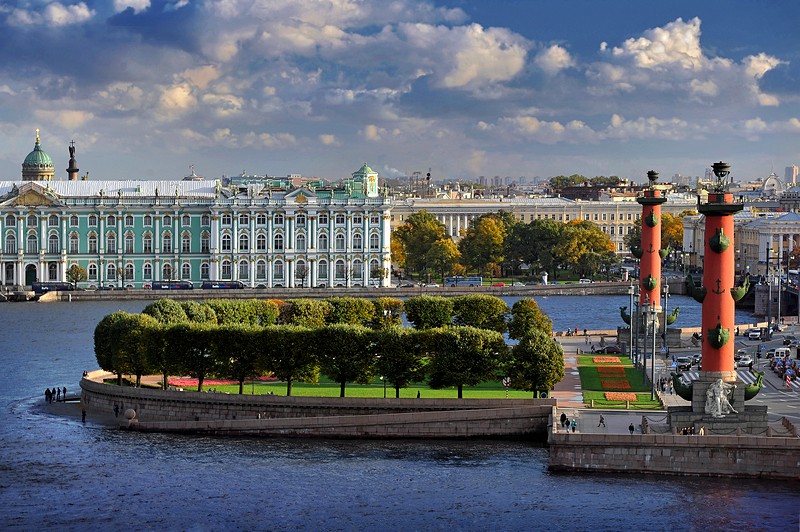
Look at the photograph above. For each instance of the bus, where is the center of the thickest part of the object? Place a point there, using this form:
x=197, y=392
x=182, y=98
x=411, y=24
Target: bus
x=222, y=285
x=468, y=280
x=172, y=285
x=40, y=288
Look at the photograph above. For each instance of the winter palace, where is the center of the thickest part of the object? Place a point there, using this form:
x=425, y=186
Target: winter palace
x=289, y=232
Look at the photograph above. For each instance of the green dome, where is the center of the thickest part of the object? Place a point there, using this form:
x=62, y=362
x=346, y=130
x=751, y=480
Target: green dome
x=364, y=170
x=38, y=158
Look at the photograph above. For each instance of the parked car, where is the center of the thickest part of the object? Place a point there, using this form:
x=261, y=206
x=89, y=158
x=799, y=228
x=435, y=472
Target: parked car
x=683, y=363
x=499, y=284
x=406, y=284
x=432, y=285
x=608, y=349
x=754, y=333
x=517, y=283
x=745, y=361
x=696, y=358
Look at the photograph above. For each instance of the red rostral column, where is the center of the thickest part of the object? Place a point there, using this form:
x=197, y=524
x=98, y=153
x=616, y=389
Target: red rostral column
x=650, y=263
x=718, y=280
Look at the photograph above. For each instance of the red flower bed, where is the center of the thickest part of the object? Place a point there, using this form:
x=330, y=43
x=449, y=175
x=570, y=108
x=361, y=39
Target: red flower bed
x=187, y=382
x=615, y=384
x=621, y=396
x=606, y=360
x=616, y=371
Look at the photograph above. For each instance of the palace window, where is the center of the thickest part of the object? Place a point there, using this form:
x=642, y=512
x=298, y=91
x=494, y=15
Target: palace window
x=52, y=221
x=147, y=243
x=358, y=242
x=261, y=269
x=205, y=220
x=205, y=242
x=148, y=220
x=358, y=219
x=278, y=220
x=111, y=271
x=261, y=219
x=53, y=245
x=340, y=219
x=186, y=242
x=226, y=242
x=166, y=243
x=186, y=220
x=33, y=221
x=375, y=219
x=92, y=221
x=322, y=270
x=111, y=220
x=339, y=242
x=244, y=270
x=339, y=270
x=225, y=269
x=73, y=221
x=278, y=243
x=323, y=241
x=244, y=242
x=226, y=219
x=301, y=220
x=128, y=220
x=374, y=242
x=129, y=242
x=111, y=243
x=244, y=219
x=92, y=241
x=129, y=272
x=261, y=242
x=204, y=271
x=91, y=272
x=11, y=221
x=167, y=220
x=323, y=219
x=186, y=271
x=32, y=244
x=277, y=270
x=147, y=271
x=301, y=242
x=73, y=243
x=166, y=272
x=11, y=243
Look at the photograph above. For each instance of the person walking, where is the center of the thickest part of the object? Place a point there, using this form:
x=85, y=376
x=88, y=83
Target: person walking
x=631, y=428
x=574, y=425
x=602, y=422
x=48, y=396
x=58, y=395
x=563, y=419
x=64, y=393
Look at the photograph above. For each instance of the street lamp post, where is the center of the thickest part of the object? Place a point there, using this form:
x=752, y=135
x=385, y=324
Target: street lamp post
x=645, y=315
x=654, y=321
x=630, y=339
x=636, y=321
x=780, y=286
x=769, y=286
x=666, y=309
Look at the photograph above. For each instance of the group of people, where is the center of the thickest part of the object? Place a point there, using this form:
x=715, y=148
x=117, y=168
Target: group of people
x=566, y=424
x=56, y=394
x=689, y=431
x=665, y=385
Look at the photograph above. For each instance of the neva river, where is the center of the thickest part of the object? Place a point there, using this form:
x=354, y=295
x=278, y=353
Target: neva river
x=57, y=474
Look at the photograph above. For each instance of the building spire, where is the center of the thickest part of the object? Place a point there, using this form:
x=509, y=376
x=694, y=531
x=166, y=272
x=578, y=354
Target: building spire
x=37, y=135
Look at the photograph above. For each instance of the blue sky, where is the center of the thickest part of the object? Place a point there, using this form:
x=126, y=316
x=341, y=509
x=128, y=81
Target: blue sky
x=464, y=88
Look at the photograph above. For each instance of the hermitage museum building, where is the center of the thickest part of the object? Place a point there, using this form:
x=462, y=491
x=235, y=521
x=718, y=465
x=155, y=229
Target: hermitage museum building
x=261, y=231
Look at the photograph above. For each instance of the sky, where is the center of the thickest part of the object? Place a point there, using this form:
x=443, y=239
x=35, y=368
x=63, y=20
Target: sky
x=460, y=88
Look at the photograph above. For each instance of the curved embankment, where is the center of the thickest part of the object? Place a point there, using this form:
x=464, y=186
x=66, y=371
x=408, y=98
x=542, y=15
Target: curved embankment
x=273, y=415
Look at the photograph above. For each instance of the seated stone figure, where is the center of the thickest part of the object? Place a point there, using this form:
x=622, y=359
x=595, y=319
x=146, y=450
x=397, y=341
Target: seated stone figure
x=717, y=402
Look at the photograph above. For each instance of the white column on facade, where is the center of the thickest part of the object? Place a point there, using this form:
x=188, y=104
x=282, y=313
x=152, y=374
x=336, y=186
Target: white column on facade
x=269, y=272
x=288, y=266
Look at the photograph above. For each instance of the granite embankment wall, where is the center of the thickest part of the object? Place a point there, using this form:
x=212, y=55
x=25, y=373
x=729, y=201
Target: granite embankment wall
x=599, y=288
x=723, y=456
x=272, y=415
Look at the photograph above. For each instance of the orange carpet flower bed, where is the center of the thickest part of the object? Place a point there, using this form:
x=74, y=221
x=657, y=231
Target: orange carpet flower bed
x=615, y=384
x=611, y=371
x=621, y=396
x=606, y=360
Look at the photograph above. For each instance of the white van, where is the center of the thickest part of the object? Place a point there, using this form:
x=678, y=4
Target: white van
x=783, y=352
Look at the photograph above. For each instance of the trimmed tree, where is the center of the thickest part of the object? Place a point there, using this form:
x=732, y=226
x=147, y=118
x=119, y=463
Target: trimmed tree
x=310, y=313
x=285, y=351
x=352, y=310
x=481, y=311
x=399, y=356
x=536, y=363
x=463, y=356
x=388, y=312
x=429, y=312
x=166, y=311
x=526, y=316
x=345, y=354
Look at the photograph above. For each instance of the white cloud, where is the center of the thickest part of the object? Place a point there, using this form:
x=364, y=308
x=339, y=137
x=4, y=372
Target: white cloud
x=53, y=14
x=758, y=65
x=554, y=59
x=68, y=119
x=175, y=101
x=677, y=43
x=329, y=140
x=372, y=132
x=137, y=5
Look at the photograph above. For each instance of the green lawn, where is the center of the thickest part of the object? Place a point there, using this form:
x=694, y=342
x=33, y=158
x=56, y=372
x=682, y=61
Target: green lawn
x=326, y=388
x=594, y=391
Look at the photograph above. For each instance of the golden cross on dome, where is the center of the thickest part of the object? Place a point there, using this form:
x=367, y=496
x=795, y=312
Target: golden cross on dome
x=37, y=135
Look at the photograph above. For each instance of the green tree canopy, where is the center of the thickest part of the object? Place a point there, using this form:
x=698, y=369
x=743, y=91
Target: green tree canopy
x=352, y=310
x=399, y=357
x=237, y=353
x=310, y=313
x=526, y=316
x=388, y=312
x=463, y=356
x=426, y=312
x=536, y=362
x=199, y=312
x=416, y=236
x=480, y=310
x=483, y=244
x=287, y=351
x=561, y=181
x=166, y=311
x=443, y=256
x=345, y=354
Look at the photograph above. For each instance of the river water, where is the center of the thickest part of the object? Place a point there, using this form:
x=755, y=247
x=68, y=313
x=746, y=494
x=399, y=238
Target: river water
x=59, y=474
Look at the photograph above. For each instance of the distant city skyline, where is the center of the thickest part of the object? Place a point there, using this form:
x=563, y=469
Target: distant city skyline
x=148, y=88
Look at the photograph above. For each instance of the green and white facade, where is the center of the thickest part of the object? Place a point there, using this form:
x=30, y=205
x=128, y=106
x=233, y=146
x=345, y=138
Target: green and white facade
x=131, y=233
